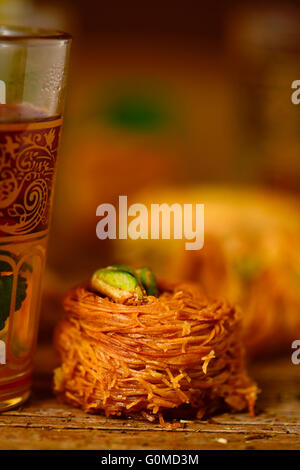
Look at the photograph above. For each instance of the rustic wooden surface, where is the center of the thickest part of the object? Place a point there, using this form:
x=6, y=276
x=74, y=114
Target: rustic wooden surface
x=43, y=423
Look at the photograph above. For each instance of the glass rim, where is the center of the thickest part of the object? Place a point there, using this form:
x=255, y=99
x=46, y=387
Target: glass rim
x=23, y=33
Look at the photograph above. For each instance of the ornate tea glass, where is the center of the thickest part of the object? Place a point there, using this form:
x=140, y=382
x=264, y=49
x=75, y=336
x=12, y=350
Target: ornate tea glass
x=33, y=65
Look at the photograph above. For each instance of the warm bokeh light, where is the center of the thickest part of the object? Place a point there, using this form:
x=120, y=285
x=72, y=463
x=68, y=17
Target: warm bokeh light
x=162, y=99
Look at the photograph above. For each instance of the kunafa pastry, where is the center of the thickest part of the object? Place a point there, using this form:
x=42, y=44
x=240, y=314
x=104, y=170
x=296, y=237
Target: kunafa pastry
x=128, y=346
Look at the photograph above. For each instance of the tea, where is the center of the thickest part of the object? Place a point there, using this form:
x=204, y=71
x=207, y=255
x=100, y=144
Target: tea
x=28, y=154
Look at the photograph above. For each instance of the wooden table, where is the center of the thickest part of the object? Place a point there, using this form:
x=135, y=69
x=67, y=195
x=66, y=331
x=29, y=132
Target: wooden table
x=43, y=423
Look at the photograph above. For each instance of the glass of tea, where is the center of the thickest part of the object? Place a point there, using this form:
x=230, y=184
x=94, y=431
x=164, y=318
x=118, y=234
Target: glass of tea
x=33, y=70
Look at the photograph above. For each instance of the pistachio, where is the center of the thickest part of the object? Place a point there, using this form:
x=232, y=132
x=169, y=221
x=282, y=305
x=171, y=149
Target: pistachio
x=128, y=269
x=118, y=284
x=121, y=267
x=148, y=281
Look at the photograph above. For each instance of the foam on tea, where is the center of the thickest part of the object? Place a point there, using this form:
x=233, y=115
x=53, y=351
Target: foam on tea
x=20, y=112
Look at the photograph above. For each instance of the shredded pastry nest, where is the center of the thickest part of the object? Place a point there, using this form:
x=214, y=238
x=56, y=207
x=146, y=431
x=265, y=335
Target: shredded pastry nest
x=173, y=352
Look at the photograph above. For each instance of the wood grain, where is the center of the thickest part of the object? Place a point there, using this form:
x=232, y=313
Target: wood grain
x=43, y=423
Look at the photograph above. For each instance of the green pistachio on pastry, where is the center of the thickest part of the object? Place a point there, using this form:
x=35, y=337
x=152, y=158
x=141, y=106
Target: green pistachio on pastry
x=123, y=284
x=148, y=281
x=121, y=267
x=118, y=284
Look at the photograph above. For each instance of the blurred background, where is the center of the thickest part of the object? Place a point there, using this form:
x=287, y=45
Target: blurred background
x=180, y=100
